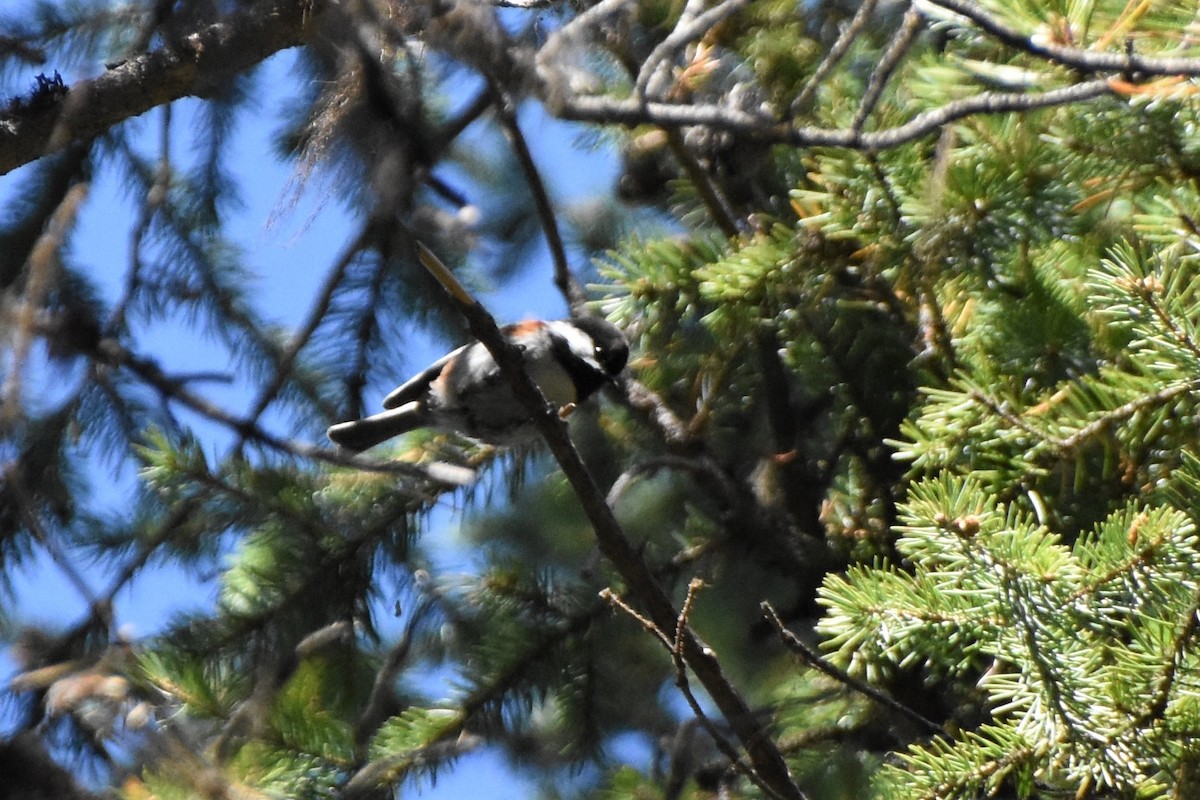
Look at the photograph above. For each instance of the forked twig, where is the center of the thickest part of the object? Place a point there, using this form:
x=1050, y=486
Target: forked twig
x=674, y=644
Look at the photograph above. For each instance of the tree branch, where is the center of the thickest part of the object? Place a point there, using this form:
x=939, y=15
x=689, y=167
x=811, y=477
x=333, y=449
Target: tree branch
x=318, y=312
x=673, y=643
x=764, y=756
x=836, y=53
x=763, y=127
x=565, y=281
x=1127, y=63
x=815, y=660
x=192, y=66
x=689, y=28
x=902, y=40
x=112, y=352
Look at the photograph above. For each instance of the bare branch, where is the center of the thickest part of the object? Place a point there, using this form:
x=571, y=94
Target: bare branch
x=842, y=46
x=674, y=646
x=567, y=285
x=1127, y=63
x=765, y=128
x=888, y=62
x=613, y=542
x=817, y=662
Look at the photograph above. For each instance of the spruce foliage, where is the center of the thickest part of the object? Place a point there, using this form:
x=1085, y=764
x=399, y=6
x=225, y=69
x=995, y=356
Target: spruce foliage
x=898, y=497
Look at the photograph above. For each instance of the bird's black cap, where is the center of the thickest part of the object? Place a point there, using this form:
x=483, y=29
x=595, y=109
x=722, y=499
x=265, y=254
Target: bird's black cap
x=612, y=348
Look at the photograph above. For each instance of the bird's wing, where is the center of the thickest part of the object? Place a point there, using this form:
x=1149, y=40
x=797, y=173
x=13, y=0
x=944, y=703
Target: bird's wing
x=416, y=386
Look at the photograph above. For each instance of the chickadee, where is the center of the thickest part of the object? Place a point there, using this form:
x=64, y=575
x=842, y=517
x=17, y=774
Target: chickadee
x=464, y=391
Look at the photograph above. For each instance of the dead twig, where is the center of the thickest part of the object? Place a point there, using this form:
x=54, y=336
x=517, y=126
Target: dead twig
x=821, y=664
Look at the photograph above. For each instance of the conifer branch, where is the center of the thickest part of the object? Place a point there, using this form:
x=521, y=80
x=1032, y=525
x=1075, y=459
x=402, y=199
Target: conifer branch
x=1022, y=609
x=1129, y=63
x=192, y=66
x=1172, y=665
x=111, y=351
x=287, y=359
x=41, y=275
x=761, y=127
x=383, y=689
x=14, y=480
x=1102, y=423
x=271, y=673
x=373, y=774
x=156, y=197
x=765, y=757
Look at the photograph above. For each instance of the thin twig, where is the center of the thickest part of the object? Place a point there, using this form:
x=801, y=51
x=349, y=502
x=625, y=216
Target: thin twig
x=564, y=279
x=685, y=614
x=674, y=646
x=320, y=308
x=840, y=47
x=691, y=26
x=15, y=481
x=383, y=689
x=156, y=196
x=356, y=379
x=41, y=273
x=821, y=664
x=888, y=62
x=471, y=112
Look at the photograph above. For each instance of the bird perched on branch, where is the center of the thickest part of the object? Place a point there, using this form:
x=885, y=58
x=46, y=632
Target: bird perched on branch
x=464, y=391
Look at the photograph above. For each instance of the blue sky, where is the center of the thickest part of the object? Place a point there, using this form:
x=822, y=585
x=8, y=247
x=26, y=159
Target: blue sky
x=290, y=250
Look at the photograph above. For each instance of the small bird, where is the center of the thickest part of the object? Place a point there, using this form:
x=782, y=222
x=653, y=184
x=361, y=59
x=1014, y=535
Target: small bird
x=464, y=391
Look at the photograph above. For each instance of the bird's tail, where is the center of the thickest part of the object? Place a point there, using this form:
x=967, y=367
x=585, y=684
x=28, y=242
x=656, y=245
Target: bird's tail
x=360, y=434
